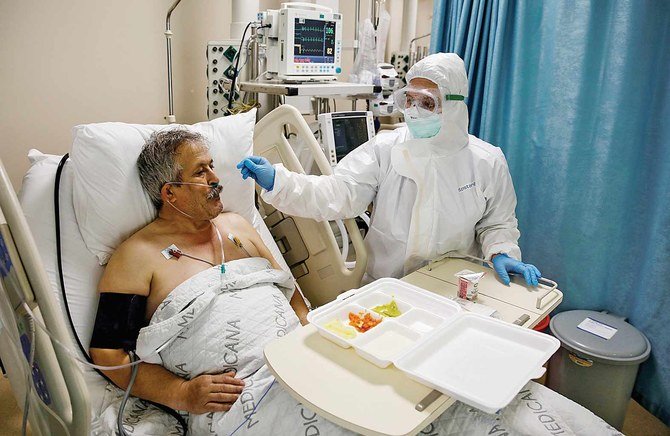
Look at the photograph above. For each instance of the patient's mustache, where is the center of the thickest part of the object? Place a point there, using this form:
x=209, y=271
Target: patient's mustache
x=214, y=192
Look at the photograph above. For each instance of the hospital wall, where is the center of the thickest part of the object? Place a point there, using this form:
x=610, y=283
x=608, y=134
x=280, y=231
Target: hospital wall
x=83, y=61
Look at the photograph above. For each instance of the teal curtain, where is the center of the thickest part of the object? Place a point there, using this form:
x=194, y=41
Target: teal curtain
x=577, y=94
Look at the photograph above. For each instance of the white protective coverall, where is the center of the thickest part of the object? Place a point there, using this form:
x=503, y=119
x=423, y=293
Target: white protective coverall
x=451, y=192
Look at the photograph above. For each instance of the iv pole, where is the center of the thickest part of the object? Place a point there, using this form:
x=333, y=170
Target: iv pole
x=170, y=118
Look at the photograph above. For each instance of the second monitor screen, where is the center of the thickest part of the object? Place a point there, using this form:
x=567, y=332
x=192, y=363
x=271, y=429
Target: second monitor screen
x=348, y=134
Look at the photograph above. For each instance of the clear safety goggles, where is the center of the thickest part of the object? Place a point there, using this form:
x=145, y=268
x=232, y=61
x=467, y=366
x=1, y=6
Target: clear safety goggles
x=427, y=99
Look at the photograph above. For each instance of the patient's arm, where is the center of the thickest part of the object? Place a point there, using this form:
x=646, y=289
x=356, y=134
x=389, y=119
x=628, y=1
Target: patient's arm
x=128, y=269
x=244, y=227
x=299, y=306
x=202, y=394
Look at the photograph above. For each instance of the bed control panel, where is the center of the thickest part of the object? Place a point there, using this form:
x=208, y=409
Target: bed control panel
x=39, y=383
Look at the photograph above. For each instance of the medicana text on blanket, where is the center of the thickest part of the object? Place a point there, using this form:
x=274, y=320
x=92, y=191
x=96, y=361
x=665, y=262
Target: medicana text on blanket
x=219, y=330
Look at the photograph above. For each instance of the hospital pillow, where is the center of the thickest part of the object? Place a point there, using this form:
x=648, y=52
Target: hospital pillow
x=81, y=270
x=109, y=201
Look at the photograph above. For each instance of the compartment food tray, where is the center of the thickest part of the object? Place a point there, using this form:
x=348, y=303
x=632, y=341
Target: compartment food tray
x=481, y=361
x=421, y=313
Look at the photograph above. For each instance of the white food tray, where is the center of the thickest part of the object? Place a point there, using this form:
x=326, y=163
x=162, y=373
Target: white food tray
x=421, y=313
x=481, y=361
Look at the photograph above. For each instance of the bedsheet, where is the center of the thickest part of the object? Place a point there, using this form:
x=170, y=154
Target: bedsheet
x=212, y=323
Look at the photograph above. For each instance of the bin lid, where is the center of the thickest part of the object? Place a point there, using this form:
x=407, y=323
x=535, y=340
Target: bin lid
x=601, y=335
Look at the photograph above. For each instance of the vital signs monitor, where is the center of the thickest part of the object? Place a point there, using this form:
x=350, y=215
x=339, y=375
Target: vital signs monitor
x=304, y=42
x=342, y=132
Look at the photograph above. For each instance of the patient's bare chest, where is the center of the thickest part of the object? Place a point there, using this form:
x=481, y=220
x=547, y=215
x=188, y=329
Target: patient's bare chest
x=170, y=273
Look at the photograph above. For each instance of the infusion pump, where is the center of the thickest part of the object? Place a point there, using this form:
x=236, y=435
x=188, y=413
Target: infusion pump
x=303, y=42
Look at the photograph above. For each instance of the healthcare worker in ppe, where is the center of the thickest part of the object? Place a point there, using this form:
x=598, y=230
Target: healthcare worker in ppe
x=435, y=188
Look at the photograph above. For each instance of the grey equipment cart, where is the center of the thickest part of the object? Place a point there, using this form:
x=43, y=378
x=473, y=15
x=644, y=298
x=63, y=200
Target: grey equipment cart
x=597, y=363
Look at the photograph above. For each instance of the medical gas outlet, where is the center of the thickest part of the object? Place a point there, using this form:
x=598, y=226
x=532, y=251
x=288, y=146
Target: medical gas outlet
x=220, y=68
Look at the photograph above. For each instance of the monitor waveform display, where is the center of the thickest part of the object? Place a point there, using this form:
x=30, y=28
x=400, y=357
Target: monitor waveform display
x=314, y=41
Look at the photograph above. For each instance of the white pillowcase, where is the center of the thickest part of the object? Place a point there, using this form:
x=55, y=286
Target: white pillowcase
x=109, y=201
x=81, y=271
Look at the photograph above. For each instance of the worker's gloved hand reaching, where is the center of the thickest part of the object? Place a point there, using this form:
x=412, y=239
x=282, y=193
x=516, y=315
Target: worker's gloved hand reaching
x=259, y=169
x=503, y=264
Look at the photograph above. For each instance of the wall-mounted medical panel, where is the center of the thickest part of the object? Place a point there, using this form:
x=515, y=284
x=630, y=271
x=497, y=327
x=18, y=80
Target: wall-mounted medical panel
x=221, y=59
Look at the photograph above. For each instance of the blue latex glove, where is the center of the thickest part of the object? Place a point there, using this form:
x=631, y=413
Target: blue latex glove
x=503, y=264
x=259, y=169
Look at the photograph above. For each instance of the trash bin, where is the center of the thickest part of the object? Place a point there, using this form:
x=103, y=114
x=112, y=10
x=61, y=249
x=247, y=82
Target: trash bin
x=542, y=325
x=597, y=363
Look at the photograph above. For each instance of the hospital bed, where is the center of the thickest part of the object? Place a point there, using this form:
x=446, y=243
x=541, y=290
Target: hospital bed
x=68, y=394
x=67, y=397
x=61, y=403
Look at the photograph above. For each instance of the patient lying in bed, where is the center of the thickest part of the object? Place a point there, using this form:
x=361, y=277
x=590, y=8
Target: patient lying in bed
x=202, y=328
x=177, y=173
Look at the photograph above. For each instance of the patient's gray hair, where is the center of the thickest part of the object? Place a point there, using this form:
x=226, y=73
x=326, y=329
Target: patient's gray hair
x=157, y=162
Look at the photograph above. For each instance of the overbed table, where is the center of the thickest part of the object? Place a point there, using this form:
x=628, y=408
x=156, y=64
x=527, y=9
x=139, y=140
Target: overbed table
x=352, y=392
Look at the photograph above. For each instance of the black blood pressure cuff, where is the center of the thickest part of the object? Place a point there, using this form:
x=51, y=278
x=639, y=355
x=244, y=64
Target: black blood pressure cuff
x=119, y=320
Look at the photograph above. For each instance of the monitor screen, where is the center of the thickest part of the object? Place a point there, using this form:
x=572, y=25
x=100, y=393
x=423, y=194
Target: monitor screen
x=314, y=41
x=349, y=133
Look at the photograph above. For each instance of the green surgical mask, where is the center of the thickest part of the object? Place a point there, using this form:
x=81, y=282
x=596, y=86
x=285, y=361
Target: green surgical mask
x=424, y=127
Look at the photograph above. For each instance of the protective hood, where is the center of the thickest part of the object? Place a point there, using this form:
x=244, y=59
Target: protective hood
x=447, y=70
